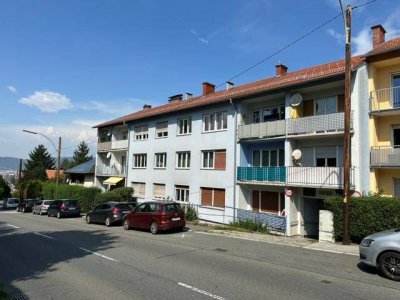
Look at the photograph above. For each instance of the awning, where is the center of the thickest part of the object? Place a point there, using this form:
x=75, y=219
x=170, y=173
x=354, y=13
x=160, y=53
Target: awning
x=112, y=180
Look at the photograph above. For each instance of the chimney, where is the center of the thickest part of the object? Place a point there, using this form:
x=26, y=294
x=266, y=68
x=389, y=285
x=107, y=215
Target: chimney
x=378, y=35
x=188, y=96
x=146, y=106
x=208, y=88
x=175, y=98
x=229, y=85
x=281, y=69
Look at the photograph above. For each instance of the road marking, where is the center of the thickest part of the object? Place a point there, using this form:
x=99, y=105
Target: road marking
x=200, y=291
x=16, y=227
x=43, y=235
x=98, y=254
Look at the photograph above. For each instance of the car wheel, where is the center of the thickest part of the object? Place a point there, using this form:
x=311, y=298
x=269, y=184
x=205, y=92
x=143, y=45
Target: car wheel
x=88, y=221
x=23, y=210
x=389, y=265
x=154, y=227
x=58, y=215
x=126, y=224
x=108, y=222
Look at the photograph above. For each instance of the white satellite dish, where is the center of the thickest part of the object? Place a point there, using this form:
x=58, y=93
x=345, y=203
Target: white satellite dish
x=108, y=155
x=296, y=99
x=296, y=154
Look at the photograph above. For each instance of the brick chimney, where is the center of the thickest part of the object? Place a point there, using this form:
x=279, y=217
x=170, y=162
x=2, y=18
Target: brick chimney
x=146, y=106
x=378, y=35
x=208, y=88
x=281, y=69
x=175, y=98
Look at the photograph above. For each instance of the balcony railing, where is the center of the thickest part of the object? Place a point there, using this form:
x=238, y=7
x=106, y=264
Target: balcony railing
x=119, y=144
x=385, y=99
x=297, y=126
x=385, y=156
x=103, y=146
x=110, y=170
x=320, y=177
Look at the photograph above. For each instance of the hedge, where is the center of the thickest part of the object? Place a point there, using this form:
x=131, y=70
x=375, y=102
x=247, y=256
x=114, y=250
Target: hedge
x=122, y=194
x=367, y=215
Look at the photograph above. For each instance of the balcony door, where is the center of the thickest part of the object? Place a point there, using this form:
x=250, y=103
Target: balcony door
x=396, y=90
x=396, y=136
x=324, y=106
x=268, y=158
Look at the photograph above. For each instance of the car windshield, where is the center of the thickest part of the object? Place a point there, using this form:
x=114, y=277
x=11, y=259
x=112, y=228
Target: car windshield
x=123, y=206
x=171, y=207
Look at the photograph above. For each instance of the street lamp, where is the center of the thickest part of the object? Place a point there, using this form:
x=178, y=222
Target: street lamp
x=58, y=150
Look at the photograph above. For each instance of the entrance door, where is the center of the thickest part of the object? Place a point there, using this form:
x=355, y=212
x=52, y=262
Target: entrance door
x=312, y=207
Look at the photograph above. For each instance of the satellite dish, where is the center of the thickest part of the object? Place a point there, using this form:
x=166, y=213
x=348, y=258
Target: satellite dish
x=108, y=155
x=296, y=154
x=296, y=99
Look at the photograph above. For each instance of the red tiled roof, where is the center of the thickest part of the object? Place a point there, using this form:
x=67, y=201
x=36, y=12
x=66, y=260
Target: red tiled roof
x=270, y=83
x=52, y=173
x=391, y=45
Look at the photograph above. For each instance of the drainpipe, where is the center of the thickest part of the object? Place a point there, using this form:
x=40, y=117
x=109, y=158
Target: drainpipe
x=234, y=160
x=127, y=155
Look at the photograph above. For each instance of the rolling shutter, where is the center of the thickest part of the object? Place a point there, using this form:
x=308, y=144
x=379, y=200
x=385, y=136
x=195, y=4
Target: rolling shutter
x=220, y=159
x=219, y=197
x=206, y=196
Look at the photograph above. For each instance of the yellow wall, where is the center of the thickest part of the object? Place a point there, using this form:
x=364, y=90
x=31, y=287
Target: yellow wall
x=384, y=180
x=384, y=129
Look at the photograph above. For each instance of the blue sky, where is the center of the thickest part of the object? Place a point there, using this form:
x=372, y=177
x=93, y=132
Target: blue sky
x=68, y=65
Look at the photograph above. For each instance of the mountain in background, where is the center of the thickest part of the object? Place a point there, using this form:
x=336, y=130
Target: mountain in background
x=10, y=163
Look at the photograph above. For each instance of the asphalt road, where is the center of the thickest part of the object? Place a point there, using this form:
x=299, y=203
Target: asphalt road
x=47, y=258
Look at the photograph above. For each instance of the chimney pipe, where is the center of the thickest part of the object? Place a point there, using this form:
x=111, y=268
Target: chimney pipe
x=188, y=96
x=378, y=35
x=229, y=85
x=175, y=98
x=280, y=69
x=146, y=106
x=208, y=88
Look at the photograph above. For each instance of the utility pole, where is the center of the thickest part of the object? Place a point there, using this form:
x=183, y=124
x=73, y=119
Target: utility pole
x=347, y=141
x=58, y=161
x=19, y=179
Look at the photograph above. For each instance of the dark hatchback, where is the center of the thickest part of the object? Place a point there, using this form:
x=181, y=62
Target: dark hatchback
x=109, y=212
x=63, y=208
x=156, y=216
x=26, y=205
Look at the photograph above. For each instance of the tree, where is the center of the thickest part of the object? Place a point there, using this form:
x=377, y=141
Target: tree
x=4, y=188
x=81, y=153
x=39, y=161
x=67, y=164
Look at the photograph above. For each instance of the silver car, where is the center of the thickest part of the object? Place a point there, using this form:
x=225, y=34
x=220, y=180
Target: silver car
x=10, y=203
x=381, y=250
x=41, y=207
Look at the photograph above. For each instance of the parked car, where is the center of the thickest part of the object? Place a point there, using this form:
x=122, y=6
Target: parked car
x=26, y=205
x=41, y=207
x=10, y=203
x=381, y=250
x=108, y=213
x=64, y=207
x=156, y=216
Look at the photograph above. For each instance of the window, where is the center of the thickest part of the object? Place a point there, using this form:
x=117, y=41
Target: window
x=326, y=156
x=272, y=202
x=139, y=189
x=139, y=160
x=158, y=191
x=214, y=159
x=268, y=158
x=184, y=126
x=146, y=207
x=396, y=90
x=396, y=136
x=141, y=132
x=325, y=106
x=215, y=122
x=160, y=160
x=212, y=197
x=162, y=129
x=268, y=114
x=124, y=134
x=396, y=187
x=183, y=160
x=181, y=193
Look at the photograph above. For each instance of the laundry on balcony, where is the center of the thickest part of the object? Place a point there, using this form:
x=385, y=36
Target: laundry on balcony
x=112, y=180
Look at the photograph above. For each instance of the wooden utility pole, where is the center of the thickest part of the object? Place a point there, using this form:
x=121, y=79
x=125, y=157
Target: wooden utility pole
x=58, y=161
x=347, y=141
x=20, y=179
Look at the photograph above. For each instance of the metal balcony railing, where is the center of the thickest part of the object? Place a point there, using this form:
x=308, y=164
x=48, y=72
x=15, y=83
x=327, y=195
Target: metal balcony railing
x=110, y=170
x=103, y=146
x=385, y=99
x=385, y=156
x=320, y=177
x=119, y=144
x=262, y=130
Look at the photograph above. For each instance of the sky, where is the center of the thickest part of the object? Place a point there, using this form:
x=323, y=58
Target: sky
x=67, y=65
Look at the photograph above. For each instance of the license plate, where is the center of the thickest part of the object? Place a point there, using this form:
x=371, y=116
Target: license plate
x=175, y=219
x=71, y=208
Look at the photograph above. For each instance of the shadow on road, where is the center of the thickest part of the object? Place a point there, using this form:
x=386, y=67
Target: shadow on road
x=25, y=255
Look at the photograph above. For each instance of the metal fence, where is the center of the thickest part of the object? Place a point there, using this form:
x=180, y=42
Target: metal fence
x=385, y=99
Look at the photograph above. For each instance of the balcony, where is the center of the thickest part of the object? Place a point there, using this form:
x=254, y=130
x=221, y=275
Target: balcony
x=119, y=145
x=262, y=130
x=103, y=146
x=385, y=100
x=317, y=177
x=116, y=170
x=385, y=156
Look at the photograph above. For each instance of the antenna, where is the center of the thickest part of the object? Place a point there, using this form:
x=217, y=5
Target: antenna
x=296, y=99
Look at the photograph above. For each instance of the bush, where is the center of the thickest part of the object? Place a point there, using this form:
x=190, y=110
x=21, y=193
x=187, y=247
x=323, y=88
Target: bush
x=250, y=225
x=366, y=215
x=190, y=213
x=122, y=194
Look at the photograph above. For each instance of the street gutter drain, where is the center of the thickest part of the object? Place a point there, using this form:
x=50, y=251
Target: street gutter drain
x=220, y=250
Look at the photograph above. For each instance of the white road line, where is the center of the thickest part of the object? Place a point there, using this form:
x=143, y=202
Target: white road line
x=16, y=227
x=43, y=235
x=98, y=254
x=200, y=291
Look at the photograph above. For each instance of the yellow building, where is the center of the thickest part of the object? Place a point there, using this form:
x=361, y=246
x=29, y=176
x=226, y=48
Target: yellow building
x=384, y=118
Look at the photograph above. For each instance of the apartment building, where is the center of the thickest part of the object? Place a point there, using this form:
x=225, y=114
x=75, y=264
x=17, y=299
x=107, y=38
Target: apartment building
x=384, y=114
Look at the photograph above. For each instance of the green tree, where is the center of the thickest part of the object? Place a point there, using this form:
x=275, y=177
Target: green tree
x=4, y=188
x=39, y=161
x=67, y=164
x=81, y=153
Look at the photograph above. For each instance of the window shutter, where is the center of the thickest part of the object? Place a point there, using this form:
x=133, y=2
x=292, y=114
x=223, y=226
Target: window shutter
x=269, y=201
x=206, y=196
x=138, y=189
x=256, y=200
x=219, y=197
x=220, y=159
x=159, y=190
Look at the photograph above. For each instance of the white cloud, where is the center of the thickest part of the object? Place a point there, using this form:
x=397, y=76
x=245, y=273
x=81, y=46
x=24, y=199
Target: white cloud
x=362, y=42
x=338, y=36
x=12, y=89
x=115, y=108
x=203, y=40
x=47, y=101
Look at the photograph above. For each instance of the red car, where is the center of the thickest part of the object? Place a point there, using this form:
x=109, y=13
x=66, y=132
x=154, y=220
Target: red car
x=156, y=216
